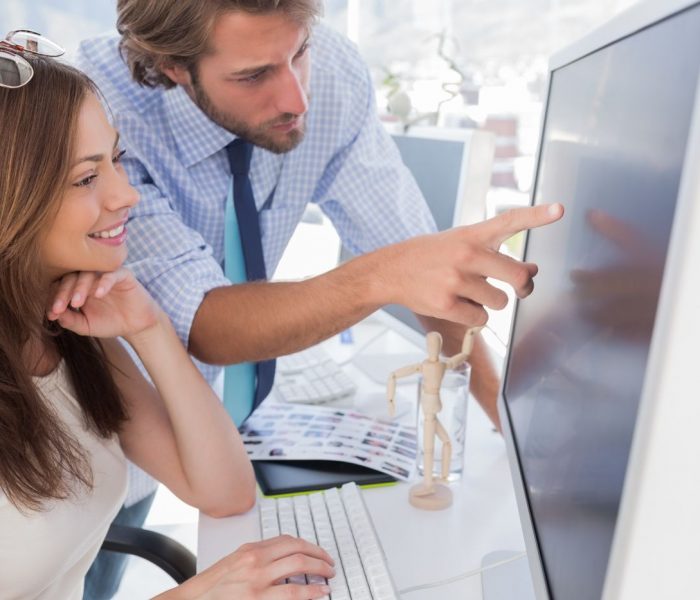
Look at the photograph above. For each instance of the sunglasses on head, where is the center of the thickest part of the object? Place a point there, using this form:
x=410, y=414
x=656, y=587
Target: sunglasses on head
x=15, y=70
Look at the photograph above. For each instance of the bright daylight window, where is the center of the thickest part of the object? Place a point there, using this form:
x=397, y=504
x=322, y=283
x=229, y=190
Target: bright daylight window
x=65, y=21
x=455, y=63
x=470, y=63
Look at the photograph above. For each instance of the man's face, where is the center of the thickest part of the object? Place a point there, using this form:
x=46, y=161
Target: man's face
x=255, y=80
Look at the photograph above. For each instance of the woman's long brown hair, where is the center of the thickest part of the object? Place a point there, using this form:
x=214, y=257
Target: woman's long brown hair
x=39, y=459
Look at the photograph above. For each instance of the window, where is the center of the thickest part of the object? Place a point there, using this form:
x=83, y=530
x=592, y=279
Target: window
x=470, y=63
x=66, y=22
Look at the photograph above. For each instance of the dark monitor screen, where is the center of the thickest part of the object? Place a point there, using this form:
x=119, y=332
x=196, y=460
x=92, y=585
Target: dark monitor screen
x=614, y=141
x=436, y=165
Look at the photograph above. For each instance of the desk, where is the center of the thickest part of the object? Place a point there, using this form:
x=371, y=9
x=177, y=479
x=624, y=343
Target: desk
x=421, y=547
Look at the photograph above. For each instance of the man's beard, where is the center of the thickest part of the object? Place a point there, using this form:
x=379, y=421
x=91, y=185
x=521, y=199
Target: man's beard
x=258, y=136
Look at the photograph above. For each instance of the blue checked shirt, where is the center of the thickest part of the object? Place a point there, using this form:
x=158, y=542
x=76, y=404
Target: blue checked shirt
x=176, y=157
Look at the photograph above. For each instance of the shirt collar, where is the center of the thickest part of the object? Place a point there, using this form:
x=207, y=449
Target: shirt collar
x=196, y=135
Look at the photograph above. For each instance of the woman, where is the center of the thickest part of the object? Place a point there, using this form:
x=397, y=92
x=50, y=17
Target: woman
x=72, y=403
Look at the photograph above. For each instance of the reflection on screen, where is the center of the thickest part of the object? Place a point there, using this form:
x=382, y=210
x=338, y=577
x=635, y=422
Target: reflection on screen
x=614, y=141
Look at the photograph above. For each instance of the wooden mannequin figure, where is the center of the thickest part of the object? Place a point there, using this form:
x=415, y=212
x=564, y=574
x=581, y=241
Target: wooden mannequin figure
x=429, y=494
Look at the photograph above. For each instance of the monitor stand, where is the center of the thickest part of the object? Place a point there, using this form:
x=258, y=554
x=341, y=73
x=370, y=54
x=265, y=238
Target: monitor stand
x=510, y=581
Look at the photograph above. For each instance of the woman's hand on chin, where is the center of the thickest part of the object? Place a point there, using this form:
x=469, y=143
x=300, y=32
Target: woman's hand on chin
x=102, y=305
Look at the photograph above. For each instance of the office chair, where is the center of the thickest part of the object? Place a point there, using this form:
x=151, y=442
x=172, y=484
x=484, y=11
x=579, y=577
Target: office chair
x=164, y=552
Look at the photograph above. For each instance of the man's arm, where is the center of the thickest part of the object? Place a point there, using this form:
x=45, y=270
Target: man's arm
x=441, y=275
x=485, y=381
x=256, y=321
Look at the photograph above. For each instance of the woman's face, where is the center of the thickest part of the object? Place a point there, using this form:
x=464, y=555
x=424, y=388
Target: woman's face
x=89, y=233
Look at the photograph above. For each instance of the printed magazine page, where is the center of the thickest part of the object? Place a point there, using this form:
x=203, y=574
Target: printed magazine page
x=279, y=431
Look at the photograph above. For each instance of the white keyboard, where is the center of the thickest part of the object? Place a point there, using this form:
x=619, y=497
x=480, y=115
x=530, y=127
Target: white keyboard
x=297, y=362
x=338, y=521
x=311, y=377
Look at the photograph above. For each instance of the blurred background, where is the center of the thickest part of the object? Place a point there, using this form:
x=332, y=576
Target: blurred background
x=451, y=63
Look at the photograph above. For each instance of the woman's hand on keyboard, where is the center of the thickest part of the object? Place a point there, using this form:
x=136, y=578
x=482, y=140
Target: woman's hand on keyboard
x=258, y=571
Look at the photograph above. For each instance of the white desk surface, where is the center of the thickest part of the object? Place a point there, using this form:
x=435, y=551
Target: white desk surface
x=421, y=546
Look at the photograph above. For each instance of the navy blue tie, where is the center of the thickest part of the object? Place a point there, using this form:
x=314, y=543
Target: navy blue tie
x=239, y=155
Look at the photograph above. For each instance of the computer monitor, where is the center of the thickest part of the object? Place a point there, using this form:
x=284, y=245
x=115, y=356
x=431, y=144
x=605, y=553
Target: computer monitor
x=599, y=403
x=452, y=168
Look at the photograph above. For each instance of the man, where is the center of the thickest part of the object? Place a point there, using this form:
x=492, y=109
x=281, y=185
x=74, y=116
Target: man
x=186, y=80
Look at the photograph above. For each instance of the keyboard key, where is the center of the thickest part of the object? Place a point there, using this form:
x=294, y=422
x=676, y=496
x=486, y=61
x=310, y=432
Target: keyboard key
x=269, y=523
x=305, y=525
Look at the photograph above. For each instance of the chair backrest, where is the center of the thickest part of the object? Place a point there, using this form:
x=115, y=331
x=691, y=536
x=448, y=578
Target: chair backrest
x=164, y=552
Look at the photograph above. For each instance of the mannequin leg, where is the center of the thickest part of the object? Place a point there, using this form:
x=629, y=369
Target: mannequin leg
x=446, y=449
x=428, y=449
x=429, y=494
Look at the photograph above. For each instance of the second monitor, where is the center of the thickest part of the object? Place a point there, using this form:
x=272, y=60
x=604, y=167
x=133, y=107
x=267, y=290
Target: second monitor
x=452, y=168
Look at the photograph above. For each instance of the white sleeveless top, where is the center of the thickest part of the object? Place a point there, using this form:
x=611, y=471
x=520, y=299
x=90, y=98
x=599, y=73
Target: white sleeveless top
x=47, y=554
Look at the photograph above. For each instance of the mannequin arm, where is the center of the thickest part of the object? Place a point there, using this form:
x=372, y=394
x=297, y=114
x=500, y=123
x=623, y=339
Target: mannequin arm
x=485, y=378
x=467, y=346
x=391, y=384
x=455, y=361
x=469, y=339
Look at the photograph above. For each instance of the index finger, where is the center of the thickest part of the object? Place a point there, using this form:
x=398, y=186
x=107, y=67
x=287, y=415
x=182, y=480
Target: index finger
x=62, y=292
x=507, y=224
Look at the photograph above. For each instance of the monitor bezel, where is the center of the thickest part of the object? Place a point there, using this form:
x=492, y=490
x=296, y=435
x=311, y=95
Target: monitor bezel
x=628, y=23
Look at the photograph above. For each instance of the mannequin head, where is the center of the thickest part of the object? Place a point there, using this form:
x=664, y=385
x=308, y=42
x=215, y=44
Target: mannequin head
x=433, y=342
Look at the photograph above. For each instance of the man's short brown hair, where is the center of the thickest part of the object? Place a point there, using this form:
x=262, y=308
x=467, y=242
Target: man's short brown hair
x=158, y=33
